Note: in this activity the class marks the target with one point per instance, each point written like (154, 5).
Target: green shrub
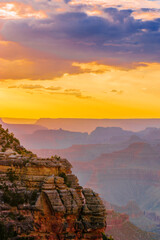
(20, 217)
(106, 237)
(56, 157)
(12, 177)
(25, 161)
(13, 197)
(25, 238)
(15, 216)
(12, 215)
(3, 232)
(6, 232)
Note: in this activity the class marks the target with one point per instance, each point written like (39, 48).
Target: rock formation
(41, 198)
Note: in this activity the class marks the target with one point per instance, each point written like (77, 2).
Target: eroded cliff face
(41, 199)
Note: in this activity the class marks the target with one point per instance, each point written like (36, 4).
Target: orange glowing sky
(82, 59)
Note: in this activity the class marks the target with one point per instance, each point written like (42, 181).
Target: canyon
(41, 198)
(121, 165)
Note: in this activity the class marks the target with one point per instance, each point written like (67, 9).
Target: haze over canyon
(121, 164)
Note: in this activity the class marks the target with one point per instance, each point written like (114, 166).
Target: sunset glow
(82, 59)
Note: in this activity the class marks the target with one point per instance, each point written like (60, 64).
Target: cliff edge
(40, 198)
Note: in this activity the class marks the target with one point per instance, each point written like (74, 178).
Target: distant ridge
(20, 129)
(88, 125)
(19, 120)
(84, 124)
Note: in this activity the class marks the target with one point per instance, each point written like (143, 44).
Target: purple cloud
(77, 36)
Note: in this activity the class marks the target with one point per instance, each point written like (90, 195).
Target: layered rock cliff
(41, 198)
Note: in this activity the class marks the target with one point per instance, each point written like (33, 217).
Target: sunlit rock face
(41, 198)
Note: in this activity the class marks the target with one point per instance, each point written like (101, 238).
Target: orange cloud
(150, 15)
(15, 69)
(40, 69)
(51, 90)
(95, 7)
(13, 51)
(19, 62)
(35, 87)
(13, 10)
(136, 4)
(93, 67)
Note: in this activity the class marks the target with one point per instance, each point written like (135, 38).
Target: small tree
(106, 237)
(57, 157)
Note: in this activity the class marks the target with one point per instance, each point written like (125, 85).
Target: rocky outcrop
(41, 199)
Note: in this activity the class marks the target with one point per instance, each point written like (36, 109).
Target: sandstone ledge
(62, 209)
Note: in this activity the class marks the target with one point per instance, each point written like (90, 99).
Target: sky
(80, 58)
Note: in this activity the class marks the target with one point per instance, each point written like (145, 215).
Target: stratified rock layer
(50, 203)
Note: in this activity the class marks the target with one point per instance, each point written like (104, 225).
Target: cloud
(76, 92)
(145, 14)
(25, 86)
(37, 86)
(67, 1)
(133, 4)
(79, 37)
(14, 10)
(51, 90)
(91, 67)
(19, 62)
(116, 91)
